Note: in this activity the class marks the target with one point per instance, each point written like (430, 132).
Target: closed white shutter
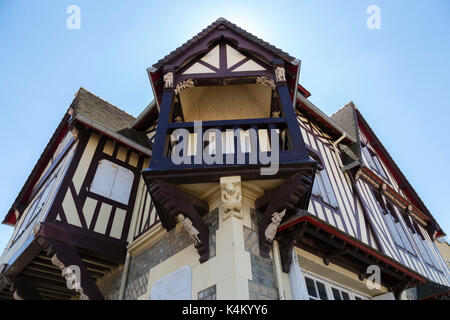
(393, 230)
(329, 189)
(379, 167)
(104, 178)
(315, 188)
(123, 183)
(368, 157)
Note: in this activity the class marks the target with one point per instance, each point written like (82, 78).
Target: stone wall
(109, 285)
(263, 286)
(173, 242)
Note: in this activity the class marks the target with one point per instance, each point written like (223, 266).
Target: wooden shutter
(368, 157)
(379, 167)
(104, 178)
(122, 186)
(393, 230)
(328, 189)
(315, 188)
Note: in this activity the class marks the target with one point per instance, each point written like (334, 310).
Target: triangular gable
(201, 56)
(223, 61)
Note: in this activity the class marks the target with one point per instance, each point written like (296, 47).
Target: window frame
(393, 223)
(329, 284)
(324, 187)
(111, 188)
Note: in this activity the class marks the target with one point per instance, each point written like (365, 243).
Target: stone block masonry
(263, 285)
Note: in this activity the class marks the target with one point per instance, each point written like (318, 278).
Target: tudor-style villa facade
(231, 184)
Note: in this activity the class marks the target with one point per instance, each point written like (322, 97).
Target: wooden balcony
(242, 147)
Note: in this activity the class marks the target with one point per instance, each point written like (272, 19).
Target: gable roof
(219, 30)
(231, 26)
(351, 119)
(94, 112)
(107, 117)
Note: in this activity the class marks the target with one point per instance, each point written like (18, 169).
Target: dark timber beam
(291, 194)
(170, 202)
(68, 256)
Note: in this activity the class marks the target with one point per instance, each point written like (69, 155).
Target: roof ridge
(349, 104)
(103, 100)
(234, 28)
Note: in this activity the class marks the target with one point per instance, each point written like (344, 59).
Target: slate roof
(96, 109)
(107, 115)
(347, 119)
(231, 26)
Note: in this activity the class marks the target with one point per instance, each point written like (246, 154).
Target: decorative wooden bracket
(67, 259)
(170, 202)
(289, 196)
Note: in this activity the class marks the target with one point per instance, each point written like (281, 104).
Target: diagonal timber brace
(73, 269)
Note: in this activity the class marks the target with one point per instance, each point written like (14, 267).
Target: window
(426, 254)
(393, 223)
(316, 289)
(112, 181)
(322, 186)
(322, 289)
(36, 207)
(339, 294)
(373, 161)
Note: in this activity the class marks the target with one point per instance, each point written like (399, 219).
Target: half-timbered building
(231, 184)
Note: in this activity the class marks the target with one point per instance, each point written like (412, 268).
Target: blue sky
(397, 76)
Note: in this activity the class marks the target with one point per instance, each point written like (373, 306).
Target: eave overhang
(307, 108)
(11, 218)
(97, 255)
(378, 183)
(346, 246)
(417, 205)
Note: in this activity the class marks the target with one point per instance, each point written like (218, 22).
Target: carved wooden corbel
(74, 271)
(189, 83)
(288, 197)
(171, 203)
